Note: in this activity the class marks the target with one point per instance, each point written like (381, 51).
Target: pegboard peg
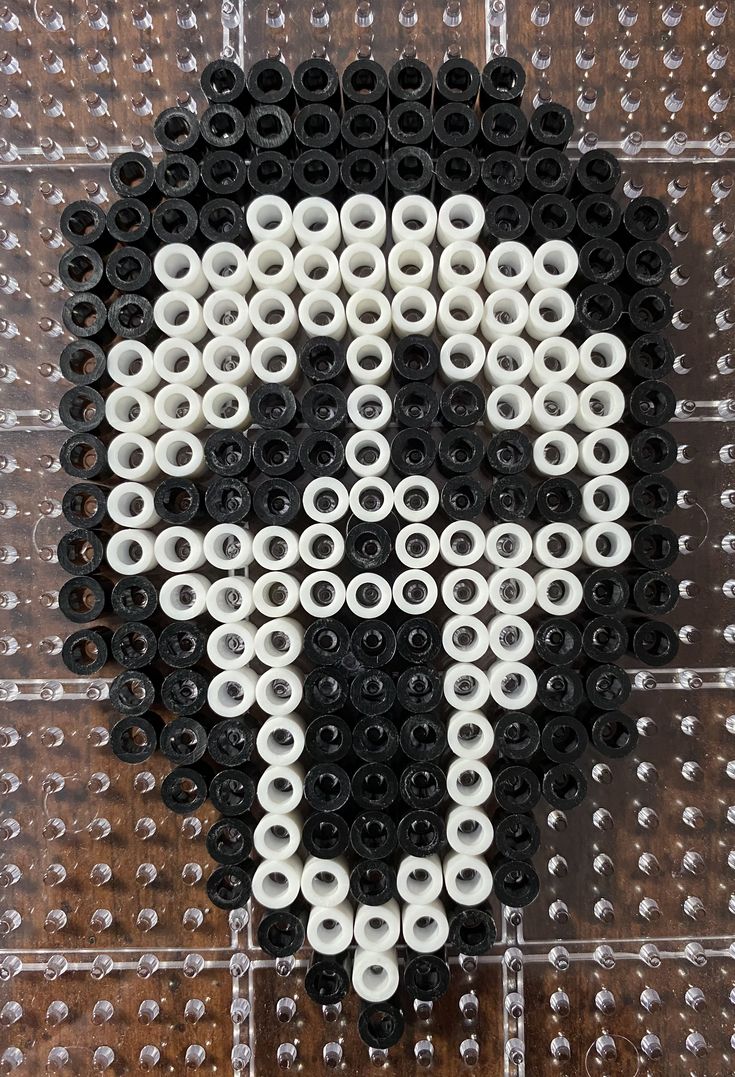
(148, 1011)
(195, 1056)
(57, 1012)
(651, 1000)
(10, 1013)
(286, 1055)
(145, 828)
(716, 15)
(185, 60)
(559, 912)
(587, 99)
(696, 1045)
(230, 16)
(632, 143)
(364, 15)
(541, 14)
(9, 737)
(239, 965)
(194, 1010)
(721, 143)
(424, 1052)
(604, 956)
(8, 151)
(51, 149)
(559, 1003)
(672, 15)
(149, 1057)
(141, 61)
(285, 965)
(58, 1059)
(717, 57)
(185, 18)
(558, 867)
(585, 14)
(100, 874)
(98, 736)
(9, 828)
(240, 1057)
(144, 782)
(332, 1055)
(141, 17)
(97, 18)
(452, 16)
(52, 62)
(677, 143)
(561, 1049)
(99, 782)
(56, 920)
(193, 965)
(191, 874)
(96, 62)
(332, 1012)
(628, 15)
(694, 997)
(11, 1059)
(146, 919)
(102, 1012)
(408, 15)
(695, 952)
(192, 919)
(630, 58)
(469, 1052)
(9, 64)
(605, 1002)
(8, 195)
(9, 108)
(239, 1010)
(605, 1047)
(721, 232)
(585, 57)
(10, 920)
(96, 106)
(423, 1009)
(674, 101)
(191, 827)
(649, 909)
(103, 1059)
(50, 18)
(559, 958)
(604, 911)
(54, 875)
(147, 966)
(541, 58)
(285, 1010)
(9, 20)
(651, 1046)
(101, 920)
(10, 967)
(514, 1005)
(238, 919)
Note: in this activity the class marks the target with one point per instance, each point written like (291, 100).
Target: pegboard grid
(648, 860)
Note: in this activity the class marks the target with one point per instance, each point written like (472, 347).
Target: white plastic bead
(363, 220)
(273, 314)
(280, 789)
(180, 549)
(184, 597)
(133, 457)
(468, 879)
(329, 930)
(469, 782)
(466, 687)
(279, 691)
(464, 591)
(554, 406)
(371, 499)
(131, 411)
(410, 264)
(279, 642)
(508, 545)
(512, 685)
(461, 217)
(511, 590)
(321, 546)
(462, 543)
(417, 545)
(419, 879)
(179, 362)
(509, 361)
(470, 735)
(274, 361)
(469, 831)
(550, 312)
(555, 453)
(276, 594)
(557, 545)
(554, 359)
(325, 500)
(510, 638)
(131, 504)
(231, 646)
(277, 837)
(418, 584)
(414, 217)
(325, 882)
(232, 692)
(230, 599)
(180, 453)
(369, 360)
(558, 591)
(367, 453)
(179, 314)
(179, 268)
(369, 407)
(331, 584)
(178, 407)
(276, 548)
(226, 407)
(603, 452)
(368, 595)
(599, 405)
(269, 217)
(280, 741)
(271, 266)
(227, 361)
(130, 363)
(505, 314)
(375, 975)
(554, 265)
(317, 268)
(460, 311)
(225, 265)
(461, 264)
(601, 357)
(462, 357)
(276, 883)
(416, 498)
(368, 313)
(413, 311)
(131, 551)
(228, 546)
(464, 638)
(362, 265)
(322, 314)
(604, 498)
(509, 265)
(425, 927)
(315, 220)
(227, 314)
(606, 545)
(378, 927)
(508, 408)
